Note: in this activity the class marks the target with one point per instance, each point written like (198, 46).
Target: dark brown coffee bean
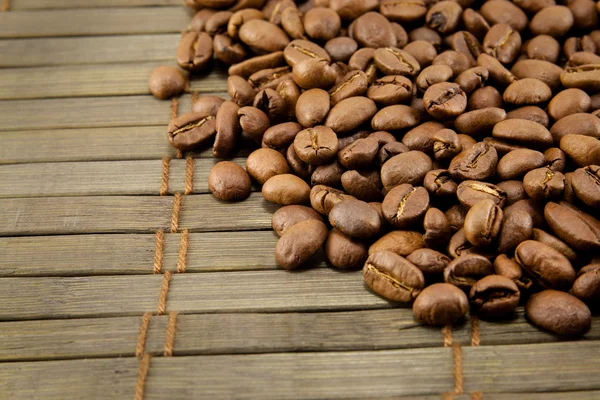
(390, 150)
(269, 78)
(239, 18)
(584, 14)
(559, 313)
(502, 147)
(585, 77)
(467, 44)
(195, 50)
(421, 137)
(429, 261)
(286, 189)
(579, 230)
(497, 71)
(455, 60)
(299, 243)
(556, 159)
(475, 23)
(472, 192)
(476, 163)
(345, 141)
(263, 36)
(263, 164)
(487, 96)
(228, 181)
(483, 223)
(582, 123)
(569, 193)
(543, 47)
(466, 270)
(409, 167)
(445, 100)
(440, 304)
(400, 242)
(517, 163)
(509, 268)
(547, 266)
(500, 12)
(328, 175)
(503, 43)
(317, 145)
(400, 33)
(248, 67)
(312, 107)
(424, 52)
(523, 131)
(479, 122)
(574, 45)
(460, 246)
(361, 187)
(322, 23)
(373, 30)
(567, 102)
(432, 75)
(553, 21)
(544, 184)
(544, 71)
(587, 285)
(299, 50)
(228, 129)
(439, 184)
(254, 122)
(280, 136)
(494, 296)
(531, 113)
(355, 83)
(352, 9)
(291, 22)
(350, 113)
(582, 150)
(393, 277)
(324, 198)
(446, 144)
(355, 218)
(437, 227)
(456, 217)
(472, 79)
(444, 16)
(241, 91)
(403, 10)
(228, 51)
(359, 154)
(586, 185)
(405, 205)
(390, 90)
(166, 82)
(527, 91)
(289, 93)
(344, 252)
(554, 242)
(289, 216)
(393, 118)
(207, 105)
(393, 61)
(314, 73)
(341, 48)
(271, 103)
(514, 191)
(274, 10)
(191, 130)
(516, 228)
(533, 6)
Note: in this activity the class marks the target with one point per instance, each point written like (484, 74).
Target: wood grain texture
(547, 367)
(45, 52)
(211, 292)
(88, 112)
(93, 80)
(303, 375)
(69, 380)
(102, 21)
(134, 253)
(51, 4)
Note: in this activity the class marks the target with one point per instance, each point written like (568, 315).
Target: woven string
(164, 184)
(170, 336)
(5, 5)
(476, 396)
(141, 343)
(176, 209)
(189, 175)
(475, 331)
(158, 252)
(183, 249)
(141, 379)
(458, 373)
(164, 290)
(447, 332)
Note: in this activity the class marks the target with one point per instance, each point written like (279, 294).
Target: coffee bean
(482, 223)
(191, 130)
(248, 67)
(582, 123)
(299, 243)
(429, 261)
(299, 50)
(456, 217)
(471, 192)
(238, 19)
(445, 100)
(587, 285)
(280, 136)
(207, 105)
(543, 47)
(316, 146)
(444, 16)
(524, 132)
(446, 144)
(354, 83)
(312, 107)
(322, 23)
(390, 90)
(393, 277)
(424, 52)
(472, 79)
(440, 304)
(554, 21)
(582, 150)
(559, 312)
(498, 12)
(228, 129)
(383, 137)
(554, 242)
(291, 22)
(437, 227)
(516, 228)
(586, 185)
(517, 163)
(502, 42)
(393, 118)
(544, 184)
(494, 296)
(328, 175)
(547, 266)
(465, 43)
(286, 189)
(263, 36)
(199, 20)
(509, 268)
(400, 242)
(439, 184)
(228, 181)
(403, 10)
(432, 75)
(240, 90)
(531, 113)
(217, 23)
(228, 51)
(355, 218)
(531, 207)
(460, 246)
(567, 102)
(487, 96)
(514, 191)
(497, 71)
(585, 77)
(289, 216)
(350, 113)
(527, 91)
(270, 78)
(344, 252)
(409, 167)
(314, 73)
(341, 48)
(544, 71)
(466, 270)
(359, 154)
(263, 164)
(373, 30)
(195, 50)
(166, 82)
(476, 163)
(361, 187)
(254, 122)
(324, 198)
(405, 205)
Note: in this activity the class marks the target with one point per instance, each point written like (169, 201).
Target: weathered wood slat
(87, 50)
(92, 80)
(548, 367)
(134, 253)
(88, 112)
(142, 177)
(102, 21)
(50, 4)
(129, 214)
(70, 380)
(579, 395)
(211, 292)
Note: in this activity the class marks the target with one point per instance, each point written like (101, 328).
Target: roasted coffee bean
(314, 73)
(299, 50)
(587, 285)
(228, 51)
(355, 83)
(207, 105)
(324, 198)
(191, 130)
(582, 123)
(263, 36)
(299, 243)
(446, 144)
(466, 270)
(248, 67)
(472, 79)
(238, 19)
(439, 184)
(390, 150)
(360, 186)
(297, 166)
(343, 251)
(502, 147)
(585, 77)
(199, 20)
(476, 163)
(573, 45)
(544, 184)
(241, 91)
(322, 23)
(289, 93)
(479, 122)
(556, 159)
(516, 228)
(445, 100)
(523, 131)
(437, 227)
(166, 82)
(328, 175)
(487, 96)
(393, 61)
(345, 141)
(317, 145)
(271, 103)
(409, 167)
(567, 102)
(270, 78)
(289, 216)
(254, 122)
(403, 10)
(444, 16)
(390, 90)
(393, 277)
(359, 154)
(432, 75)
(280, 136)
(400, 33)
(497, 71)
(460, 246)
(263, 164)
(456, 217)
(400, 242)
(509, 268)
(483, 223)
(405, 205)
(582, 150)
(533, 208)
(421, 137)
(498, 12)
(341, 48)
(547, 266)
(465, 43)
(440, 304)
(228, 129)
(554, 21)
(475, 23)
(393, 118)
(424, 52)
(554, 242)
(274, 10)
(494, 296)
(373, 30)
(195, 50)
(429, 261)
(228, 181)
(217, 23)
(514, 191)
(527, 91)
(355, 218)
(291, 22)
(350, 113)
(586, 185)
(559, 312)
(543, 47)
(531, 113)
(544, 71)
(517, 163)
(286, 189)
(503, 43)
(312, 107)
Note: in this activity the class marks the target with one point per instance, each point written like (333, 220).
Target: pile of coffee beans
(451, 149)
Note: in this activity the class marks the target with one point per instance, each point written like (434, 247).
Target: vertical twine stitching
(164, 184)
(475, 340)
(170, 336)
(458, 373)
(5, 5)
(141, 379)
(476, 396)
(189, 175)
(141, 342)
(174, 107)
(183, 249)
(176, 209)
(164, 290)
(447, 332)
(158, 252)
(447, 396)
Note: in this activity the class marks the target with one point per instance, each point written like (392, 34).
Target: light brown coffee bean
(355, 218)
(299, 243)
(286, 189)
(289, 216)
(344, 252)
(263, 164)
(440, 304)
(393, 277)
(559, 312)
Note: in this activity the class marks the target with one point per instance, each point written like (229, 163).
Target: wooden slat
(102, 21)
(51, 4)
(564, 366)
(69, 380)
(134, 253)
(92, 80)
(87, 50)
(270, 291)
(143, 177)
(88, 112)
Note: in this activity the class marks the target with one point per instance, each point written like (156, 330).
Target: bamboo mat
(122, 277)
